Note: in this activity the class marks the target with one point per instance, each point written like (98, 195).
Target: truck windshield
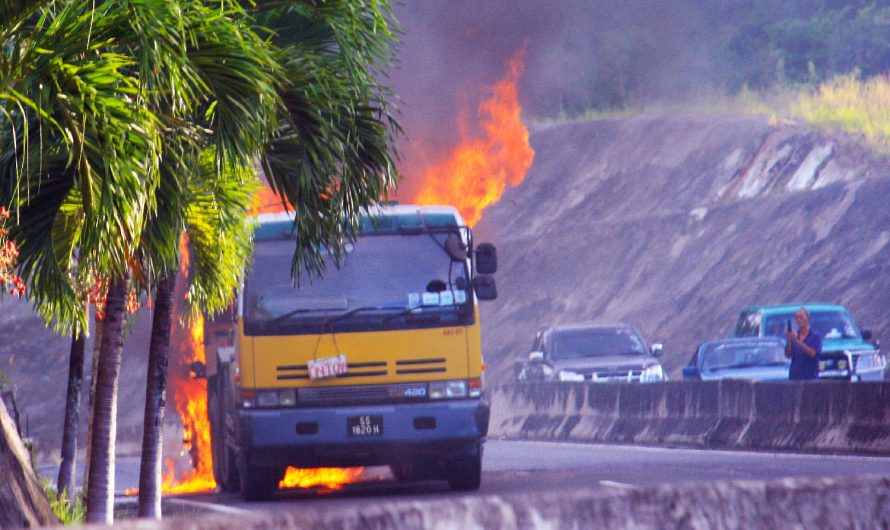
(386, 282)
(829, 324)
(596, 342)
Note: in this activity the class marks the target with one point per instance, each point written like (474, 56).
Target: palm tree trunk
(100, 496)
(72, 416)
(94, 371)
(155, 400)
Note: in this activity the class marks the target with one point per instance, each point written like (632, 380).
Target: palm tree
(72, 416)
(214, 211)
(333, 153)
(333, 126)
(92, 93)
(91, 179)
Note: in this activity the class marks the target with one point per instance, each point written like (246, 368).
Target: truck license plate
(364, 425)
(327, 367)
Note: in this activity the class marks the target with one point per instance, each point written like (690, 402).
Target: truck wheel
(231, 481)
(465, 473)
(404, 472)
(217, 444)
(258, 483)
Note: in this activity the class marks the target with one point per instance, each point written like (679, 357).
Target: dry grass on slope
(852, 105)
(846, 103)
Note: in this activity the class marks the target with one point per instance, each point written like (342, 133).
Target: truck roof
(377, 219)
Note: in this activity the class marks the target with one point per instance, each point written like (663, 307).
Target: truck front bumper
(321, 437)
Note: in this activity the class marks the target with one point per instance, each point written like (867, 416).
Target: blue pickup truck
(848, 352)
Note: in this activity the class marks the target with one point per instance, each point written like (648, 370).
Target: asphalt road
(527, 467)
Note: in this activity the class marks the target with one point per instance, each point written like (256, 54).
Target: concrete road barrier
(819, 416)
(860, 502)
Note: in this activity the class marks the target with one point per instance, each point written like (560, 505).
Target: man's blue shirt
(802, 365)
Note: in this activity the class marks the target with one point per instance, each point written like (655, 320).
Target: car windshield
(381, 272)
(720, 356)
(829, 324)
(596, 342)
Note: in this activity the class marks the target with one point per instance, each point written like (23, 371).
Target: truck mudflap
(362, 435)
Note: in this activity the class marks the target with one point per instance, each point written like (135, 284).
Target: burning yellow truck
(379, 362)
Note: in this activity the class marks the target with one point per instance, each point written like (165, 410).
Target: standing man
(803, 348)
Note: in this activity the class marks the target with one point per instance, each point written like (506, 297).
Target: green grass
(846, 103)
(69, 511)
(851, 105)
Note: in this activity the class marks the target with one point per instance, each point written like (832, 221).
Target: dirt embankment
(676, 223)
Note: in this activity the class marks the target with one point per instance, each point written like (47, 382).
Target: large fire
(476, 173)
(332, 478)
(190, 400)
(189, 397)
(473, 176)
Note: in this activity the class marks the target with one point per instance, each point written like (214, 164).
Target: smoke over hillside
(581, 55)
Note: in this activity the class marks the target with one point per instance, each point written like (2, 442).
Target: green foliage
(220, 234)
(107, 107)
(333, 153)
(816, 47)
(69, 511)
(849, 104)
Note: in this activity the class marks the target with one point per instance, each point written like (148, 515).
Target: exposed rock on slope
(676, 223)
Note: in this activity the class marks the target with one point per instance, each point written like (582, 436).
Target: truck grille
(369, 369)
(420, 366)
(362, 394)
(301, 371)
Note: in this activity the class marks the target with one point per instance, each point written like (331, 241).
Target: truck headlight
(448, 389)
(569, 376)
(276, 398)
(652, 374)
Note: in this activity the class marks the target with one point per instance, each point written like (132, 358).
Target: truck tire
(465, 473)
(258, 483)
(225, 465)
(405, 472)
(217, 444)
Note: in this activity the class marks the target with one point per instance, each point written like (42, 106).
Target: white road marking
(208, 506)
(613, 484)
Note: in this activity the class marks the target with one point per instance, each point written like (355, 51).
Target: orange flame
(327, 477)
(190, 399)
(477, 172)
(266, 201)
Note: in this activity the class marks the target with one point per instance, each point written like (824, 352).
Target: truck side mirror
(485, 287)
(486, 259)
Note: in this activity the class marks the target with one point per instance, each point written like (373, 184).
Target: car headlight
(448, 389)
(276, 398)
(842, 364)
(569, 376)
(652, 374)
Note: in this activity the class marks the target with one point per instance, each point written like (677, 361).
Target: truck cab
(376, 362)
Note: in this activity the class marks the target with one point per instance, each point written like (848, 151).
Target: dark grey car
(595, 353)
